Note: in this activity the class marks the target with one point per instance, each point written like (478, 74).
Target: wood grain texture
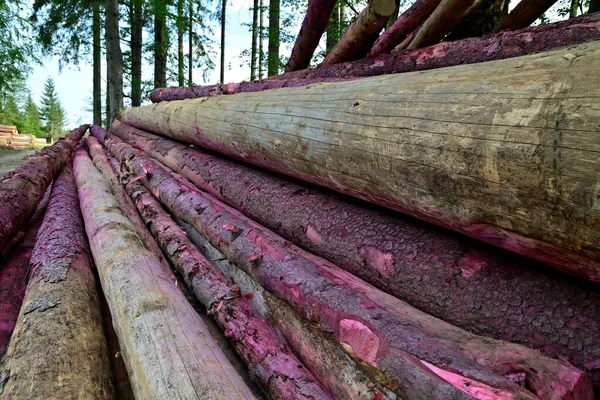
(168, 351)
(505, 151)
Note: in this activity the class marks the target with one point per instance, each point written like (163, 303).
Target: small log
(13, 275)
(314, 24)
(480, 21)
(362, 33)
(404, 349)
(524, 14)
(448, 153)
(410, 20)
(58, 349)
(22, 189)
(381, 249)
(168, 351)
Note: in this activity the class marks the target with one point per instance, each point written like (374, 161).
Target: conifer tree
(52, 112)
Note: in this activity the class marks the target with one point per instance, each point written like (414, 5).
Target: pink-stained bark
(406, 23)
(415, 354)
(408, 259)
(524, 14)
(314, 24)
(22, 189)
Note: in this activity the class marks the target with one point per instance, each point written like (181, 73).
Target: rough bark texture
(167, 348)
(314, 24)
(254, 49)
(405, 258)
(273, 54)
(410, 352)
(97, 62)
(137, 27)
(13, 275)
(362, 33)
(22, 189)
(114, 61)
(492, 162)
(58, 349)
(277, 369)
(524, 14)
(410, 20)
(161, 47)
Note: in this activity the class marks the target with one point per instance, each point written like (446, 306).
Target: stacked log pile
(10, 138)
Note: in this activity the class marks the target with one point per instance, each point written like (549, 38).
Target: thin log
(148, 308)
(381, 249)
(524, 14)
(410, 20)
(362, 33)
(314, 24)
(58, 348)
(448, 153)
(13, 275)
(406, 350)
(22, 189)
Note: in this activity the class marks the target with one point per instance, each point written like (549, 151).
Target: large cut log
(492, 162)
(314, 24)
(58, 349)
(362, 33)
(168, 351)
(13, 275)
(22, 190)
(410, 352)
(406, 23)
(404, 258)
(524, 14)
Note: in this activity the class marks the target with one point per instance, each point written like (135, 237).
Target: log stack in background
(11, 139)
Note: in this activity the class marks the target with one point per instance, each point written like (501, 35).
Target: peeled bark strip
(362, 33)
(167, 349)
(58, 349)
(314, 24)
(410, 352)
(524, 14)
(22, 189)
(473, 156)
(13, 275)
(406, 23)
(277, 369)
(405, 258)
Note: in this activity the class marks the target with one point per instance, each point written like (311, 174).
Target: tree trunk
(410, 20)
(480, 21)
(161, 46)
(58, 348)
(147, 307)
(397, 344)
(22, 189)
(524, 14)
(136, 53)
(114, 61)
(333, 29)
(273, 56)
(360, 36)
(13, 275)
(342, 23)
(261, 31)
(180, 56)
(254, 41)
(381, 147)
(468, 277)
(191, 43)
(573, 8)
(97, 63)
(223, 24)
(594, 6)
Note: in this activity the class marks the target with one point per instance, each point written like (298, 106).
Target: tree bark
(397, 345)
(261, 38)
(223, 22)
(273, 56)
(365, 242)
(22, 189)
(180, 56)
(58, 348)
(524, 14)
(362, 33)
(254, 41)
(410, 20)
(96, 61)
(161, 47)
(114, 61)
(191, 43)
(147, 307)
(137, 26)
(573, 8)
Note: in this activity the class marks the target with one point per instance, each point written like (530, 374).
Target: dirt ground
(10, 159)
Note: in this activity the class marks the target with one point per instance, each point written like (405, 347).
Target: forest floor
(10, 159)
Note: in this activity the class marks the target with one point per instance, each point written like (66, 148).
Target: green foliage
(10, 113)
(32, 122)
(52, 112)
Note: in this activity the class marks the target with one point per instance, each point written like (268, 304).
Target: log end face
(359, 340)
(384, 8)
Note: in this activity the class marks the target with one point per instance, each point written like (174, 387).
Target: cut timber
(524, 14)
(13, 275)
(277, 369)
(362, 33)
(405, 258)
(406, 23)
(22, 190)
(410, 352)
(58, 349)
(314, 24)
(509, 158)
(167, 349)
